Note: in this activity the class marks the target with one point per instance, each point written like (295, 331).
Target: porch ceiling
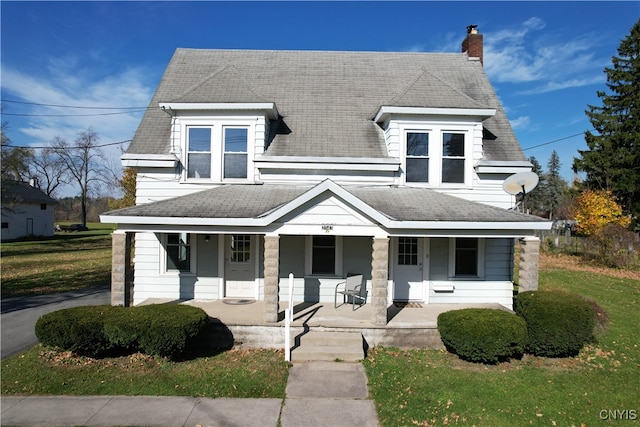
(262, 205)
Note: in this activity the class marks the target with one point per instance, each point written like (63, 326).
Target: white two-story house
(256, 164)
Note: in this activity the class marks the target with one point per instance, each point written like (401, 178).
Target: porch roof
(261, 205)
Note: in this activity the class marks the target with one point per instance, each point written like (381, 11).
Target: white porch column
(379, 279)
(271, 278)
(529, 264)
(121, 271)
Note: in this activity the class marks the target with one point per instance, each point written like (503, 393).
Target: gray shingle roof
(22, 192)
(327, 99)
(254, 201)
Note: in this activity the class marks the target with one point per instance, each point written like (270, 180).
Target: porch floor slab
(323, 314)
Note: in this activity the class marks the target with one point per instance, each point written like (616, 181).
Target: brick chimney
(472, 45)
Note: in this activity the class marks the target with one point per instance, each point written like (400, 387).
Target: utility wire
(69, 115)
(66, 148)
(557, 140)
(73, 106)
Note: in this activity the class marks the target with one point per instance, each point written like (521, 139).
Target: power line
(66, 148)
(69, 115)
(73, 106)
(557, 140)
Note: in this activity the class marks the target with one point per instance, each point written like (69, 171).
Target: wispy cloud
(525, 54)
(520, 122)
(65, 82)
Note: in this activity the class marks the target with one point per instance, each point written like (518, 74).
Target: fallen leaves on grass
(575, 263)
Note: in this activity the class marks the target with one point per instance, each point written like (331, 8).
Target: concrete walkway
(317, 394)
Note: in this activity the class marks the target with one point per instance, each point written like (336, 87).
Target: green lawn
(250, 373)
(429, 387)
(65, 262)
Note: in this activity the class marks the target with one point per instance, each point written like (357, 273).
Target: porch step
(329, 346)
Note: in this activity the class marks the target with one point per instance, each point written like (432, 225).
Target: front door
(239, 266)
(408, 273)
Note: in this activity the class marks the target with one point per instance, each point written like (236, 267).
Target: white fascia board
(183, 221)
(149, 160)
(493, 166)
(458, 225)
(327, 163)
(269, 108)
(386, 111)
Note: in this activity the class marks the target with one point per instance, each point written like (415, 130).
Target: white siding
(17, 216)
(473, 292)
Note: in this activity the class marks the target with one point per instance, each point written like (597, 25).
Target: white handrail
(288, 318)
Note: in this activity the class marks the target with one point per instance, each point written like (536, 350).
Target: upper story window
(235, 152)
(417, 145)
(436, 155)
(453, 157)
(199, 152)
(217, 152)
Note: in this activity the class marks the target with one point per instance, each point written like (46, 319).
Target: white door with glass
(239, 266)
(408, 274)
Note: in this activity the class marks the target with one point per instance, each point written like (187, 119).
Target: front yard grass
(64, 262)
(235, 373)
(432, 388)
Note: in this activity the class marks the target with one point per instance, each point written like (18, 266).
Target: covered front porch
(410, 325)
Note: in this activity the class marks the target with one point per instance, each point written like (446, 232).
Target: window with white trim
(198, 152)
(453, 158)
(324, 255)
(466, 257)
(235, 152)
(417, 148)
(217, 150)
(178, 252)
(436, 155)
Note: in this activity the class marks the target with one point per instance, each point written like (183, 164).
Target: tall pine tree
(613, 156)
(556, 186)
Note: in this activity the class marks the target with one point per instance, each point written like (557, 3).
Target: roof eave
(268, 108)
(386, 111)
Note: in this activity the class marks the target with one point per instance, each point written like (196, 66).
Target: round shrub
(169, 328)
(559, 323)
(164, 330)
(78, 329)
(483, 335)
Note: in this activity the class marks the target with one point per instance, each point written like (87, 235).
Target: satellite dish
(522, 182)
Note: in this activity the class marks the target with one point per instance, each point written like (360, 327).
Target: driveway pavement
(19, 314)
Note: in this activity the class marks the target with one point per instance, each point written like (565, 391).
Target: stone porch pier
(529, 264)
(121, 269)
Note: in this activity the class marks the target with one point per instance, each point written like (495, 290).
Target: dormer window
(417, 145)
(199, 152)
(235, 152)
(453, 158)
(436, 155)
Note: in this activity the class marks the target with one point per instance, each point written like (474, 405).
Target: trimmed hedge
(78, 329)
(559, 323)
(160, 330)
(483, 335)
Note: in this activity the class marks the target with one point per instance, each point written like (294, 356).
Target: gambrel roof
(326, 100)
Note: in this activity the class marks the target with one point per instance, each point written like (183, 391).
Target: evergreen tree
(536, 199)
(556, 186)
(613, 155)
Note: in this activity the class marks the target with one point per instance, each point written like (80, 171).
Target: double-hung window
(324, 255)
(217, 151)
(436, 154)
(417, 157)
(235, 152)
(178, 249)
(453, 158)
(199, 152)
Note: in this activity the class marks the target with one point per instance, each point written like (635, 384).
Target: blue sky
(545, 59)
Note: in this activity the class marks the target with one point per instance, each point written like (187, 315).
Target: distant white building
(26, 211)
